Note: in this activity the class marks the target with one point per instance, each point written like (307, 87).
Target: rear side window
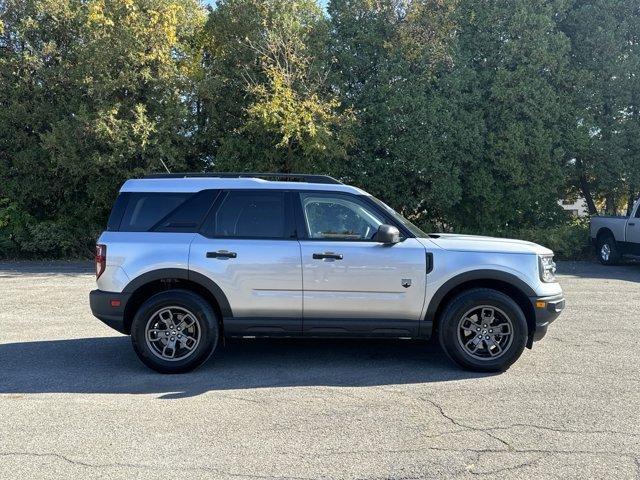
(144, 210)
(247, 214)
(189, 215)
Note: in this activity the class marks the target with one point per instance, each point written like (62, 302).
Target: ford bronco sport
(188, 259)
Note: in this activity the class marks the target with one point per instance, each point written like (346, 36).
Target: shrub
(568, 241)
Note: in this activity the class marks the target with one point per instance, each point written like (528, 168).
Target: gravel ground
(76, 403)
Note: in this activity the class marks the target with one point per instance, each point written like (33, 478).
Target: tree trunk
(586, 193)
(610, 204)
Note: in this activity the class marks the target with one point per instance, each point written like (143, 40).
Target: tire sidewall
(207, 320)
(448, 330)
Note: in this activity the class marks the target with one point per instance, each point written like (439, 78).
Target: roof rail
(296, 177)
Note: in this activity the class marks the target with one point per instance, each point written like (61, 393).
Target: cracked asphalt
(76, 403)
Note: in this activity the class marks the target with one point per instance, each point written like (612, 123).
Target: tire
(608, 252)
(469, 311)
(166, 316)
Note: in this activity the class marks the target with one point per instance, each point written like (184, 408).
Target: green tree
(385, 58)
(603, 146)
(509, 62)
(92, 92)
(266, 105)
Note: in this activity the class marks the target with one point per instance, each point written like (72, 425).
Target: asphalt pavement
(76, 403)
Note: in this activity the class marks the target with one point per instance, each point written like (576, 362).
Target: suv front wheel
(483, 330)
(174, 331)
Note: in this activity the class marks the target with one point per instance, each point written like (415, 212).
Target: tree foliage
(510, 61)
(603, 144)
(91, 93)
(469, 115)
(386, 58)
(279, 114)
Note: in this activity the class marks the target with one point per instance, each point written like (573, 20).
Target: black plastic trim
(544, 316)
(262, 326)
(429, 260)
(100, 303)
(469, 276)
(300, 177)
(360, 327)
(183, 274)
(320, 327)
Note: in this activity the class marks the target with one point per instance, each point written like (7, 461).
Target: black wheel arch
(150, 283)
(504, 282)
(604, 232)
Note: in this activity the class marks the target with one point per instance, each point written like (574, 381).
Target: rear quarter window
(113, 225)
(160, 212)
(145, 210)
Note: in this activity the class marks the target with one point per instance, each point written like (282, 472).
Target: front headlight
(547, 268)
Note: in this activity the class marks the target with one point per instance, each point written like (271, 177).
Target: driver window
(338, 217)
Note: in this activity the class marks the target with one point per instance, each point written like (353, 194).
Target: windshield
(400, 219)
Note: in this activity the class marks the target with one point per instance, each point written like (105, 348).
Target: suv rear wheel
(483, 330)
(174, 331)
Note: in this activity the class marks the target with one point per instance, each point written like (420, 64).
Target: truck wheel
(608, 250)
(174, 331)
(483, 330)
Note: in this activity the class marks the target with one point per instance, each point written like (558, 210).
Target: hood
(475, 243)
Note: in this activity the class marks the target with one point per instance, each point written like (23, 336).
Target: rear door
(352, 284)
(247, 246)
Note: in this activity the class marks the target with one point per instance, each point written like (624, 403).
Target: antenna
(165, 166)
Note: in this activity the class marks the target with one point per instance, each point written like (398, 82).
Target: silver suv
(188, 259)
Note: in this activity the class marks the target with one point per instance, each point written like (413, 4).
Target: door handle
(331, 255)
(222, 254)
(631, 224)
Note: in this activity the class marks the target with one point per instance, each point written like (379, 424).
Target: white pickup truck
(614, 237)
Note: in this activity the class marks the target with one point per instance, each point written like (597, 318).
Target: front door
(248, 248)
(633, 232)
(353, 285)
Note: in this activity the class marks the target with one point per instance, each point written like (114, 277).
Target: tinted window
(144, 210)
(339, 217)
(117, 211)
(250, 215)
(189, 215)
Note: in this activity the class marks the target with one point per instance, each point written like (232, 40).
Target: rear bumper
(546, 310)
(109, 307)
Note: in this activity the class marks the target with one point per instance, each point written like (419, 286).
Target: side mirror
(388, 234)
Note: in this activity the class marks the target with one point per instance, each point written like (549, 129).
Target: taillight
(101, 259)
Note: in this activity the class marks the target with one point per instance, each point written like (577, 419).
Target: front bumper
(109, 307)
(546, 310)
